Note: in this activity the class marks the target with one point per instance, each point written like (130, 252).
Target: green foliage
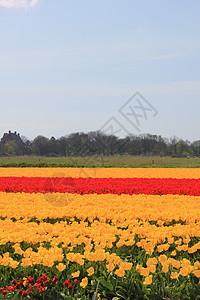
(103, 161)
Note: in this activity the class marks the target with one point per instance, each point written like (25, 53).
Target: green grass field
(107, 161)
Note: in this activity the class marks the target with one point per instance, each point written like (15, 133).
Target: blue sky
(68, 66)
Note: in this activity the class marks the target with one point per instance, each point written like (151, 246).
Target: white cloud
(18, 3)
(33, 3)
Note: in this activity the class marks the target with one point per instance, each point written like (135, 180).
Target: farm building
(11, 136)
(14, 137)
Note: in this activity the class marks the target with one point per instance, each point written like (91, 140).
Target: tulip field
(112, 233)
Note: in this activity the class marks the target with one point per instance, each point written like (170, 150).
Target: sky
(122, 67)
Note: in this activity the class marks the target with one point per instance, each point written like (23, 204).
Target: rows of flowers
(98, 246)
(149, 186)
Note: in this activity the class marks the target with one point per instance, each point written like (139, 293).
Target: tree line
(98, 143)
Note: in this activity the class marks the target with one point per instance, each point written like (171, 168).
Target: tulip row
(117, 209)
(103, 172)
(148, 186)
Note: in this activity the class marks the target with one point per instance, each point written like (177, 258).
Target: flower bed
(94, 238)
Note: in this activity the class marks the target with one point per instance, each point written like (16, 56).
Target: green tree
(183, 148)
(11, 148)
(40, 145)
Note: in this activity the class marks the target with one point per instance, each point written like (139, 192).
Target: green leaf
(123, 297)
(104, 274)
(15, 297)
(107, 284)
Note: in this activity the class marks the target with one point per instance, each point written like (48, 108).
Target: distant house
(13, 136)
